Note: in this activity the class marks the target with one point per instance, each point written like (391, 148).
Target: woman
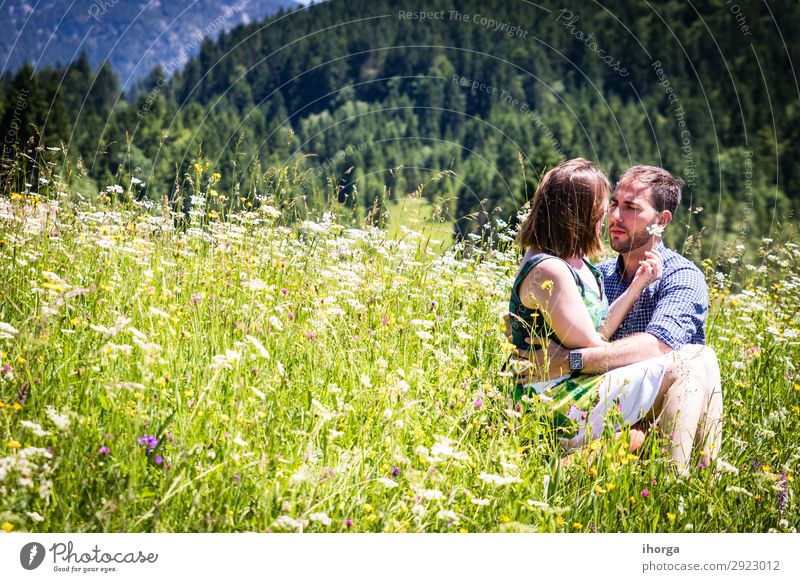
(559, 295)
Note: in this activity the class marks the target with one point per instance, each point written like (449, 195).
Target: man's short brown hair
(665, 189)
(566, 209)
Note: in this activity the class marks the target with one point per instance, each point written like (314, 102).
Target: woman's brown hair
(566, 208)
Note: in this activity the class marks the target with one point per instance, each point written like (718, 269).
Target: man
(669, 316)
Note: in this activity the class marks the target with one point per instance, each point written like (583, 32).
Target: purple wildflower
(645, 493)
(148, 441)
(395, 471)
(236, 477)
(22, 394)
(158, 460)
(104, 451)
(478, 403)
(782, 499)
(349, 523)
(284, 291)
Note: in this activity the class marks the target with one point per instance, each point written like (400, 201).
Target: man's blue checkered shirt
(673, 309)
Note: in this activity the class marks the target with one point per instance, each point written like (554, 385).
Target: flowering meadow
(256, 371)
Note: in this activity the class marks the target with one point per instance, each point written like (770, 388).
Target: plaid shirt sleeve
(681, 308)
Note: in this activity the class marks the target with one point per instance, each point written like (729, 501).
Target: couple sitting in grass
(639, 361)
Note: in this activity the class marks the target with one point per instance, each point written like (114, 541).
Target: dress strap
(534, 261)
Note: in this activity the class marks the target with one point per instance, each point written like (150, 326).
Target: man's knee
(703, 363)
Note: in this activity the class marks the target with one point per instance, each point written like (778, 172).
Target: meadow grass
(254, 373)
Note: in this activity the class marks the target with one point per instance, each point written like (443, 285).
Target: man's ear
(665, 218)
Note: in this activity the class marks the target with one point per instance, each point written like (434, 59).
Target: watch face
(576, 360)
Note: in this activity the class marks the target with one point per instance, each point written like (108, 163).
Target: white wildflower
(34, 516)
(158, 312)
(726, 467)
(655, 230)
(481, 502)
(448, 515)
(431, 494)
(36, 429)
(735, 489)
(388, 483)
(424, 335)
(60, 420)
(226, 360)
(7, 331)
(320, 518)
(498, 480)
(255, 285)
(286, 523)
(262, 351)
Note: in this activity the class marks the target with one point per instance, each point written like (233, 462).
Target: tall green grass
(268, 369)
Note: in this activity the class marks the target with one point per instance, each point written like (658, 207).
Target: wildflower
(741, 490)
(14, 444)
(104, 450)
(577, 526)
(35, 516)
(547, 285)
(478, 403)
(7, 331)
(450, 516)
(671, 516)
(388, 483)
(349, 523)
(320, 518)
(7, 527)
(655, 230)
(395, 471)
(560, 520)
(148, 441)
(645, 493)
(498, 480)
(60, 420)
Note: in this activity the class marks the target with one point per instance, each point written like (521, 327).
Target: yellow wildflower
(14, 444)
(577, 525)
(7, 527)
(547, 285)
(671, 516)
(592, 471)
(560, 520)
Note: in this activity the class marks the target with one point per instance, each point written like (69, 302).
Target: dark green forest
(475, 99)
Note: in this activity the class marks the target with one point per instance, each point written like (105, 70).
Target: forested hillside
(706, 89)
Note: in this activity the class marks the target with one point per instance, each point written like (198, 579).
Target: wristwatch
(576, 360)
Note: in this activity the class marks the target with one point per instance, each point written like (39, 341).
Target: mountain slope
(133, 35)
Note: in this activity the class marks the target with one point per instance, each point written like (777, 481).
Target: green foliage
(372, 91)
(302, 374)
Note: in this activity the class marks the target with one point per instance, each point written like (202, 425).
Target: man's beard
(633, 243)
